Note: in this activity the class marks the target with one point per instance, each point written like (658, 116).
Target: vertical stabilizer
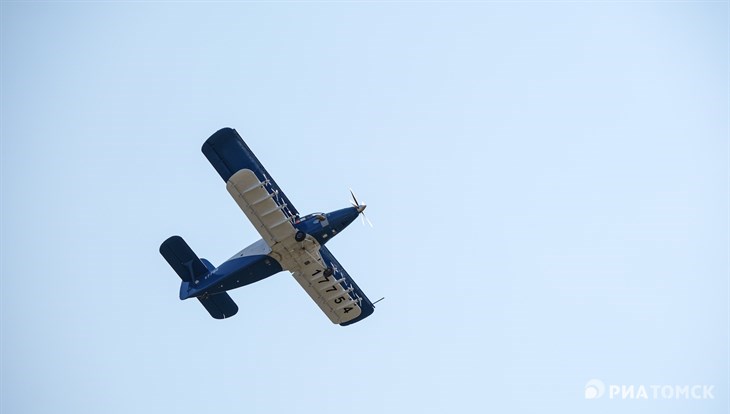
(182, 259)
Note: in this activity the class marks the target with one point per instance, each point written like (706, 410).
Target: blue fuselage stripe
(235, 273)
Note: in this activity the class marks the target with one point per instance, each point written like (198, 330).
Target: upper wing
(228, 154)
(337, 295)
(248, 182)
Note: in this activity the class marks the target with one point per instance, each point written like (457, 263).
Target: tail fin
(190, 268)
(182, 259)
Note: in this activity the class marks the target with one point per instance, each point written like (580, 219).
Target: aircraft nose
(361, 208)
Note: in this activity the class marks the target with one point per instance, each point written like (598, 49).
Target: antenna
(378, 300)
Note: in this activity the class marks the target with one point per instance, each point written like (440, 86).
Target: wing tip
(364, 314)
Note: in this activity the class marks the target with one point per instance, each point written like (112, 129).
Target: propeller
(360, 208)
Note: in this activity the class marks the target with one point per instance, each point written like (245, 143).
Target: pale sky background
(548, 184)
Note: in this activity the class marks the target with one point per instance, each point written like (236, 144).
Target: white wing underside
(302, 259)
(326, 291)
(260, 207)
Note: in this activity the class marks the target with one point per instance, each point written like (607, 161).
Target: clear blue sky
(548, 184)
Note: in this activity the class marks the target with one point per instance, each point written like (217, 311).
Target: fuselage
(255, 262)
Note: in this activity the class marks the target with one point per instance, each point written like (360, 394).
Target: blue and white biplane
(289, 242)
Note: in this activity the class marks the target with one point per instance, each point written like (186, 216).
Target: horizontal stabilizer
(220, 306)
(182, 259)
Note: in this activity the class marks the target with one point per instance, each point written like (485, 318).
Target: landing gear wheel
(328, 272)
(300, 236)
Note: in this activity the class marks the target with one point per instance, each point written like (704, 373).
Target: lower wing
(332, 289)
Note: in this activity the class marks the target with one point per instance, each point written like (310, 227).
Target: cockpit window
(313, 215)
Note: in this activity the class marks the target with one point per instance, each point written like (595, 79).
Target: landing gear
(328, 272)
(300, 236)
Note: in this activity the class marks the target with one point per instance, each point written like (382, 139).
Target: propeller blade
(354, 198)
(368, 220)
(360, 208)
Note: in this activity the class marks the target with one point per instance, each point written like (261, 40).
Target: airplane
(289, 242)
